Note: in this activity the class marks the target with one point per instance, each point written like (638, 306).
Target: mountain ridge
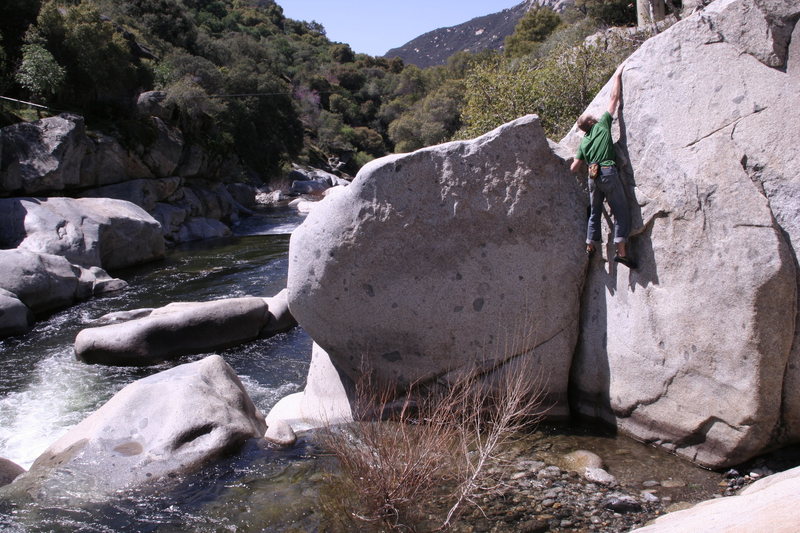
(487, 32)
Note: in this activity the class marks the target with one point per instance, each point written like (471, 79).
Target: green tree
(533, 28)
(39, 73)
(496, 92)
(102, 75)
(432, 120)
(568, 82)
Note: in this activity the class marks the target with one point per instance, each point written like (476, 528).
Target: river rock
(598, 475)
(163, 155)
(9, 471)
(308, 187)
(151, 104)
(200, 228)
(455, 257)
(280, 318)
(163, 425)
(300, 173)
(243, 194)
(693, 351)
(174, 330)
(117, 317)
(279, 432)
(46, 282)
(15, 316)
(580, 460)
(107, 162)
(44, 155)
(326, 400)
(171, 219)
(86, 231)
(769, 504)
(143, 192)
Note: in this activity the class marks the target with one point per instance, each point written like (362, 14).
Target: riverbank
(537, 496)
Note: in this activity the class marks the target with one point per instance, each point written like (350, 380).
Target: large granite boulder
(174, 330)
(40, 156)
(100, 232)
(693, 351)
(432, 261)
(163, 425)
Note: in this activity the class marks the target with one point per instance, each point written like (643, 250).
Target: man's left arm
(616, 92)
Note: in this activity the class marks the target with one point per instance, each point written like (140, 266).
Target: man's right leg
(593, 229)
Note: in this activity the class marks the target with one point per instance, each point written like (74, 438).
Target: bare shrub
(432, 442)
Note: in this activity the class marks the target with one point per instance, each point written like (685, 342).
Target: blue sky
(376, 26)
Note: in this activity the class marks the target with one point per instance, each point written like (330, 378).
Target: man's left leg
(615, 194)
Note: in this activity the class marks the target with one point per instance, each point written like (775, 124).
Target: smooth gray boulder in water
(101, 232)
(174, 330)
(698, 350)
(455, 257)
(45, 282)
(15, 316)
(169, 423)
(280, 318)
(9, 471)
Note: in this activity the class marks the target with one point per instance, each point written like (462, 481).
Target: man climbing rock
(597, 149)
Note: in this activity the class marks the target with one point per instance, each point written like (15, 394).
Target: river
(44, 391)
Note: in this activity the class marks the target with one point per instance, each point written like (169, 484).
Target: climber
(597, 148)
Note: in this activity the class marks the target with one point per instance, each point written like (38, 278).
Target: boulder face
(693, 351)
(165, 424)
(432, 261)
(47, 155)
(100, 232)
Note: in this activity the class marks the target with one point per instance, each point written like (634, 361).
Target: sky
(376, 26)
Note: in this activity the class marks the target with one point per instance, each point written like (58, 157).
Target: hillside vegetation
(245, 79)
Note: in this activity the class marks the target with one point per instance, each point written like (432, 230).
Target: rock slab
(177, 329)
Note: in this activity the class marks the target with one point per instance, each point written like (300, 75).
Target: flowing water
(44, 391)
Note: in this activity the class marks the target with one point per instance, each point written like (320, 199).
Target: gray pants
(608, 186)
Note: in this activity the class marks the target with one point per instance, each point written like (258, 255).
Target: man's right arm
(576, 165)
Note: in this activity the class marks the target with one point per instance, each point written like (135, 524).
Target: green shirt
(597, 145)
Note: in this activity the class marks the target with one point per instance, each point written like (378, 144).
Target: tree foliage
(532, 29)
(243, 79)
(39, 72)
(609, 12)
